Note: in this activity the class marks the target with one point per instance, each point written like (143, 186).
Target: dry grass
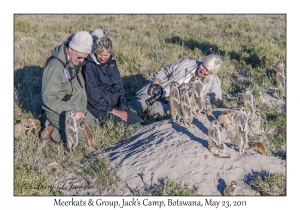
(270, 185)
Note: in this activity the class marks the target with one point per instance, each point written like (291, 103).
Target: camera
(157, 95)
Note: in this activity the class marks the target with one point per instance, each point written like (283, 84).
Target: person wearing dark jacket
(104, 85)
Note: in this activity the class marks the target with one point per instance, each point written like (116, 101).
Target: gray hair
(213, 63)
(105, 43)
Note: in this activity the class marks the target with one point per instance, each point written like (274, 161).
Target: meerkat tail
(219, 156)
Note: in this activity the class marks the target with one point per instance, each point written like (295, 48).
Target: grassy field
(250, 45)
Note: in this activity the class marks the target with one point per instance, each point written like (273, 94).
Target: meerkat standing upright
(175, 102)
(280, 75)
(248, 103)
(226, 117)
(89, 134)
(208, 107)
(71, 130)
(241, 129)
(197, 98)
(185, 104)
(260, 147)
(215, 145)
(231, 189)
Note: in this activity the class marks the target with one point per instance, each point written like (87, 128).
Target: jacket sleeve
(52, 95)
(213, 88)
(122, 100)
(94, 94)
(163, 73)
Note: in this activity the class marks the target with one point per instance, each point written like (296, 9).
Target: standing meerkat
(208, 107)
(215, 145)
(175, 102)
(241, 129)
(89, 134)
(231, 189)
(248, 103)
(197, 98)
(185, 104)
(226, 117)
(260, 147)
(280, 75)
(21, 128)
(35, 125)
(71, 130)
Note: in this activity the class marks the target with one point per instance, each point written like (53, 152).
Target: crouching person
(105, 89)
(63, 87)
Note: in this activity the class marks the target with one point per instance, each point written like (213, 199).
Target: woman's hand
(122, 114)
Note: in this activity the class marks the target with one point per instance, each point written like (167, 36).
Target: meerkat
(21, 128)
(197, 95)
(185, 86)
(226, 117)
(71, 130)
(208, 107)
(35, 125)
(260, 147)
(89, 134)
(248, 103)
(241, 129)
(185, 104)
(280, 75)
(215, 145)
(231, 189)
(175, 102)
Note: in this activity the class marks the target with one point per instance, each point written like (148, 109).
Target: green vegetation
(270, 184)
(275, 126)
(250, 45)
(40, 166)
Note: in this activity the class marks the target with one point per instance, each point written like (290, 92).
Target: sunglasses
(202, 67)
(77, 56)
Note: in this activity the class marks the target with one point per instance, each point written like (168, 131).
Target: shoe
(46, 134)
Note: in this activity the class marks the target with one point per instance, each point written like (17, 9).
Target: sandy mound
(271, 99)
(166, 149)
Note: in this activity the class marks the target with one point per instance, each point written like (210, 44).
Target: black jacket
(104, 87)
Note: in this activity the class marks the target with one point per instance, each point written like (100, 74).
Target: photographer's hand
(122, 114)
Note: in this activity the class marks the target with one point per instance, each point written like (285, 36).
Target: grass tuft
(170, 187)
(270, 184)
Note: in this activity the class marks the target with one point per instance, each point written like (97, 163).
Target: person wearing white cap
(63, 86)
(180, 72)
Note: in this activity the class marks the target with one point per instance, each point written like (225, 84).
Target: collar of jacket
(67, 55)
(95, 59)
(98, 63)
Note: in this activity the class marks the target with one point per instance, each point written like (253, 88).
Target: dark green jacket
(55, 86)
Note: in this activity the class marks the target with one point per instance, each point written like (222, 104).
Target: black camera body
(157, 95)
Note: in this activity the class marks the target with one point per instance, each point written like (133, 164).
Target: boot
(46, 134)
